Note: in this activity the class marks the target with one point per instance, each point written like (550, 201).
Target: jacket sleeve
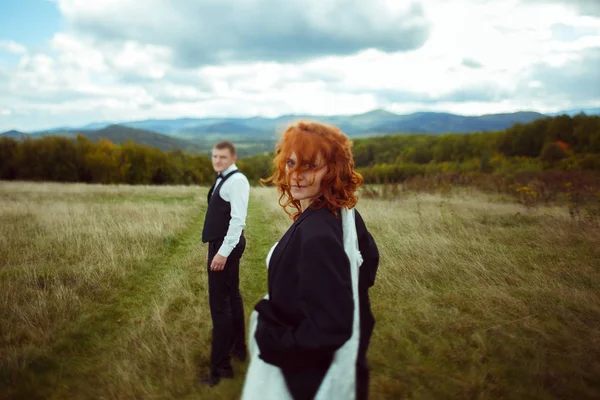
(326, 303)
(370, 253)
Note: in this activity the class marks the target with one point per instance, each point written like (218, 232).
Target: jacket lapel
(280, 249)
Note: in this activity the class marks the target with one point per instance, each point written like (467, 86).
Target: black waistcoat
(216, 222)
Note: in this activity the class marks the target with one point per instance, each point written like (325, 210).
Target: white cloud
(217, 32)
(144, 60)
(118, 61)
(583, 7)
(12, 47)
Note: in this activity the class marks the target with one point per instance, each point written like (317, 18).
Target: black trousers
(362, 379)
(226, 308)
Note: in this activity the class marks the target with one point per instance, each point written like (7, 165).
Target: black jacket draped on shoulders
(309, 313)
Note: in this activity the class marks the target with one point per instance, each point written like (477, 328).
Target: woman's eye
(291, 163)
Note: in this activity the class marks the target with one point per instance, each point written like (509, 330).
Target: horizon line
(110, 123)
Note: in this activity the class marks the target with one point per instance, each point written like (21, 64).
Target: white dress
(265, 381)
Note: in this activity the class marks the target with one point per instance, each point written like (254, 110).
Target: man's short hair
(226, 145)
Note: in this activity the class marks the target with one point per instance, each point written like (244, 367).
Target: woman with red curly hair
(309, 335)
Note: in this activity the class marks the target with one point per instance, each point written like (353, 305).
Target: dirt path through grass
(150, 338)
(79, 364)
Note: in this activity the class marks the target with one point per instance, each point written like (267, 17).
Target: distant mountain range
(370, 123)
(117, 134)
(571, 113)
(198, 134)
(14, 134)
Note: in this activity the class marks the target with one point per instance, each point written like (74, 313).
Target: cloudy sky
(72, 62)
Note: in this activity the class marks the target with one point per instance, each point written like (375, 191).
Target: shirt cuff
(225, 251)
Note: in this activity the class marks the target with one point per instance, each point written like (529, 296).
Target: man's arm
(238, 194)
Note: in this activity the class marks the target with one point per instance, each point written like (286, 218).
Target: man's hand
(218, 263)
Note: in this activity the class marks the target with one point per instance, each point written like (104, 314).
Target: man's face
(222, 159)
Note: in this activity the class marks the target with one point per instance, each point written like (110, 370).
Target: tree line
(562, 142)
(554, 143)
(578, 135)
(60, 159)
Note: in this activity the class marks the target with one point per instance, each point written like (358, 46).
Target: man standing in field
(224, 232)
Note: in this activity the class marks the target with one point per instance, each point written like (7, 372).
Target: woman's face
(305, 185)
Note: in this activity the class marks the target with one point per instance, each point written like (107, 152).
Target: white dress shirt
(236, 191)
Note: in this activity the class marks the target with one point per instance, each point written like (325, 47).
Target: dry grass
(474, 298)
(64, 248)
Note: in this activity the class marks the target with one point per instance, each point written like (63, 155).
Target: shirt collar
(229, 170)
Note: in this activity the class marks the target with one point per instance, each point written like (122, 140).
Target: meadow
(103, 294)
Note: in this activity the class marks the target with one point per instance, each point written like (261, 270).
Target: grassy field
(103, 295)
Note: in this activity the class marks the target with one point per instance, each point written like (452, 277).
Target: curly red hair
(316, 146)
